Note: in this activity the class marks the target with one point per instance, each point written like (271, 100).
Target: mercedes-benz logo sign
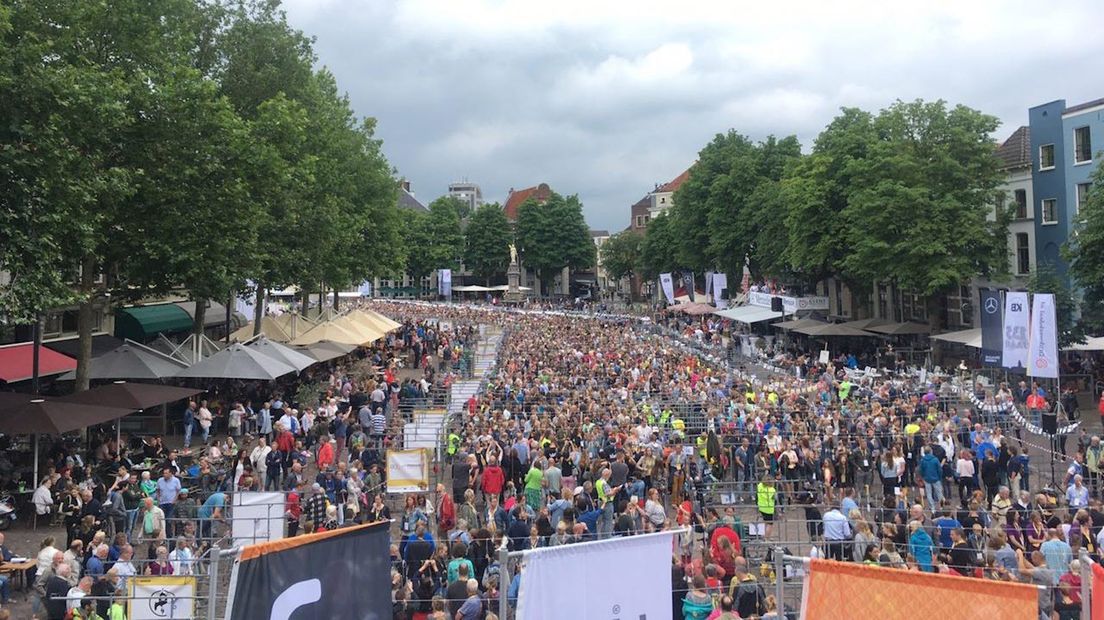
(991, 305)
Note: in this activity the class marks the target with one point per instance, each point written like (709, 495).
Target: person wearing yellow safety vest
(765, 496)
(606, 501)
(453, 445)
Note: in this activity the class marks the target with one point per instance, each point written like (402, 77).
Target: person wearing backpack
(747, 593)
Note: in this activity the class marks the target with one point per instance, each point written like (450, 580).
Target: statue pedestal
(513, 278)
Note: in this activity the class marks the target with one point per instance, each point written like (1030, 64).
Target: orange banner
(836, 590)
(1097, 592)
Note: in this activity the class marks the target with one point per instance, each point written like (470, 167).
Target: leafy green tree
(658, 249)
(918, 209)
(554, 235)
(817, 191)
(1045, 279)
(621, 254)
(487, 239)
(433, 240)
(1085, 253)
(730, 205)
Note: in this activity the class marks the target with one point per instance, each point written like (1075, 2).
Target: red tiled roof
(541, 193)
(676, 183)
(16, 360)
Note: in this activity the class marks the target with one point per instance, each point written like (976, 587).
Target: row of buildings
(1047, 166)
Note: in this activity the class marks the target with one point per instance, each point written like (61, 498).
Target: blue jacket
(920, 546)
(930, 469)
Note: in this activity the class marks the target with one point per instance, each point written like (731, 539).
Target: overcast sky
(606, 98)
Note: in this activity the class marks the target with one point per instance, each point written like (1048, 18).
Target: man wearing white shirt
(837, 533)
(124, 566)
(1077, 495)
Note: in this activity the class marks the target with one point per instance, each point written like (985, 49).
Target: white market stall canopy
(749, 314)
(1091, 344)
(968, 337)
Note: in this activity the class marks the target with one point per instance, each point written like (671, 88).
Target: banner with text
(444, 282)
(720, 283)
(343, 573)
(1014, 354)
(161, 598)
(668, 287)
(1043, 355)
(992, 341)
(408, 471)
(641, 589)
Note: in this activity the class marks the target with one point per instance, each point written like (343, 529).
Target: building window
(1046, 157)
(1023, 254)
(663, 200)
(1050, 211)
(1082, 195)
(1021, 204)
(1082, 146)
(647, 218)
(639, 221)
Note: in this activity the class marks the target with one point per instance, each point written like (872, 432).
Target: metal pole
(36, 345)
(212, 584)
(504, 580)
(1086, 585)
(779, 582)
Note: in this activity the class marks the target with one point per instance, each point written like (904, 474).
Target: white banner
(789, 304)
(444, 282)
(258, 517)
(407, 471)
(641, 589)
(1014, 353)
(161, 598)
(248, 303)
(720, 283)
(1043, 356)
(708, 284)
(365, 288)
(668, 287)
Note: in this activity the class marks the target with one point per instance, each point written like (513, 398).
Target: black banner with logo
(345, 573)
(992, 331)
(688, 282)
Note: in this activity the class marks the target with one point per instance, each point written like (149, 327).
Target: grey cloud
(510, 94)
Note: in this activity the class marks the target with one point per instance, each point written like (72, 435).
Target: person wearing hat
(187, 508)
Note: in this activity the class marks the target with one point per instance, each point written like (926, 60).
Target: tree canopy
(487, 239)
(554, 235)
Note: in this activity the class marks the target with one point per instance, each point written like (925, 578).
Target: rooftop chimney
(406, 186)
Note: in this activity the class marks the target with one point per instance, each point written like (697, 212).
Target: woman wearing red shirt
(493, 479)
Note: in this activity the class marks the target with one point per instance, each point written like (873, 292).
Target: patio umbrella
(325, 350)
(328, 331)
(238, 361)
(367, 334)
(392, 324)
(132, 360)
(132, 396)
(294, 325)
(281, 352)
(833, 329)
(900, 329)
(270, 328)
(374, 322)
(796, 323)
(24, 414)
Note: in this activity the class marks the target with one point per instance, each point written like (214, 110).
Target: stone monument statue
(513, 278)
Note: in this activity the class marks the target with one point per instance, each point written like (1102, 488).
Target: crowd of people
(151, 506)
(594, 427)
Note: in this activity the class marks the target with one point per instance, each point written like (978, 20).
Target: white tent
(1092, 344)
(968, 337)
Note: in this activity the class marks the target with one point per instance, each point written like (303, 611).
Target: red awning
(16, 360)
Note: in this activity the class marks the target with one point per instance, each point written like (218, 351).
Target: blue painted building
(1068, 144)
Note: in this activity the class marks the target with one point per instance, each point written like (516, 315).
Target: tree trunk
(259, 308)
(335, 300)
(321, 300)
(304, 303)
(200, 318)
(84, 322)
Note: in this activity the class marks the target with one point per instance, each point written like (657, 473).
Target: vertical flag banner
(688, 283)
(992, 340)
(642, 588)
(1043, 354)
(444, 282)
(365, 288)
(720, 284)
(245, 302)
(1016, 336)
(708, 284)
(668, 287)
(344, 573)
